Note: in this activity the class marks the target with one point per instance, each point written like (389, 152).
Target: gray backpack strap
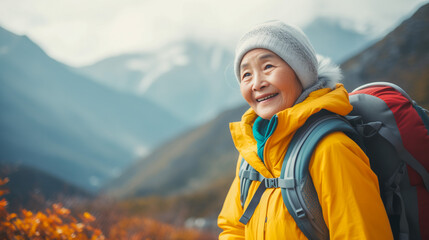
(265, 183)
(248, 213)
(247, 174)
(244, 182)
(299, 194)
(397, 207)
(392, 184)
(300, 197)
(395, 140)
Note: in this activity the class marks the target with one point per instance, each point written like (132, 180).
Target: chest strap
(265, 183)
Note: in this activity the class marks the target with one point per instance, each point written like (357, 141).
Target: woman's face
(268, 84)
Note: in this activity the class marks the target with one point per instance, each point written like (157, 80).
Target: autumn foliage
(144, 228)
(58, 222)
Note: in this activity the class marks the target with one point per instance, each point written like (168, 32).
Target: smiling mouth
(267, 97)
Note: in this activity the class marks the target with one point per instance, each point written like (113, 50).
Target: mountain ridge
(170, 160)
(200, 81)
(35, 189)
(331, 38)
(401, 57)
(66, 124)
(183, 77)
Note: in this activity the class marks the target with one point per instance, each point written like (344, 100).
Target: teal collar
(262, 130)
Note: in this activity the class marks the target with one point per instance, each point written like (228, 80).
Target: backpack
(394, 133)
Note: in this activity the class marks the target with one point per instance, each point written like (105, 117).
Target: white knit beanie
(288, 42)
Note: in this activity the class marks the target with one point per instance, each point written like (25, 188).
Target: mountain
(34, 189)
(67, 125)
(193, 81)
(188, 163)
(333, 38)
(401, 57)
(206, 154)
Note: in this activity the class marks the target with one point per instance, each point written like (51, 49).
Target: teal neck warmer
(262, 130)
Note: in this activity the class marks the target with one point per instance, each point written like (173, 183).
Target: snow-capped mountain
(192, 81)
(67, 125)
(195, 81)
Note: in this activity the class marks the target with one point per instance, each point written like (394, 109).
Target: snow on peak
(158, 64)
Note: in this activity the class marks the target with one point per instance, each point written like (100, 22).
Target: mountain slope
(195, 81)
(34, 189)
(192, 81)
(188, 163)
(67, 125)
(331, 39)
(401, 57)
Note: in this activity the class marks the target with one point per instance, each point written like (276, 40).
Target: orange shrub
(143, 228)
(54, 223)
(57, 222)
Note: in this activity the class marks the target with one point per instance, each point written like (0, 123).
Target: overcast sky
(79, 32)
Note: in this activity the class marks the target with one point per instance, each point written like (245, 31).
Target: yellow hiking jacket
(346, 186)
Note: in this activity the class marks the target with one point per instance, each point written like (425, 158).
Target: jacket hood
(289, 120)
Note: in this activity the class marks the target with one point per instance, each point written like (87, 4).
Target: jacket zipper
(265, 153)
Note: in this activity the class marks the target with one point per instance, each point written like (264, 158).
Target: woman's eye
(246, 75)
(268, 66)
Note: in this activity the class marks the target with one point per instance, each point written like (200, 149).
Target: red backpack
(392, 130)
(399, 155)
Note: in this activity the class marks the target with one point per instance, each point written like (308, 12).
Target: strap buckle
(271, 182)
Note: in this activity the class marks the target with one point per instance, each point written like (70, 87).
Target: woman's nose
(259, 82)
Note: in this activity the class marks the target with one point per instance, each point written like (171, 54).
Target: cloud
(368, 16)
(79, 32)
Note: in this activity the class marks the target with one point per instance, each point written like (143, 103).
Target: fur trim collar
(328, 75)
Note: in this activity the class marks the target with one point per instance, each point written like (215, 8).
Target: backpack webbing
(304, 208)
